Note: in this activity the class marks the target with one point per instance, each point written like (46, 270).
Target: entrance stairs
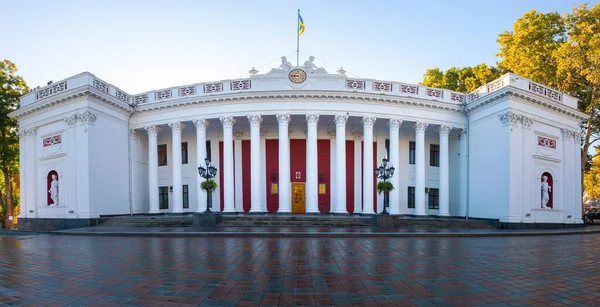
(321, 221)
(148, 221)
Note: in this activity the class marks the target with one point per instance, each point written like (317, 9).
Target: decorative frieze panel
(382, 86)
(54, 89)
(53, 140)
(217, 87)
(122, 96)
(457, 97)
(473, 96)
(496, 85)
(409, 89)
(187, 91)
(160, 95)
(101, 85)
(240, 85)
(544, 91)
(139, 99)
(434, 93)
(355, 84)
(546, 142)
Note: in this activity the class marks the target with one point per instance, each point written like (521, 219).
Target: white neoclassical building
(300, 140)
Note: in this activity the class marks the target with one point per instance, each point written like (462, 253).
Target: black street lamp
(384, 172)
(208, 173)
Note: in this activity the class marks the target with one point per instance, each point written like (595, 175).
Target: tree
(12, 87)
(464, 80)
(591, 180)
(562, 52)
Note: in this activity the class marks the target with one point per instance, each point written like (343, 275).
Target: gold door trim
(298, 197)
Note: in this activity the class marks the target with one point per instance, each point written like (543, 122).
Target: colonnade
(339, 202)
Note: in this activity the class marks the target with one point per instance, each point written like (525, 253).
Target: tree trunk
(8, 223)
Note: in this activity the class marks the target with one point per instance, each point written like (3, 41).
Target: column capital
(31, 132)
(227, 121)
(358, 134)
(394, 123)
(509, 118)
(255, 120)
(86, 118)
(71, 120)
(527, 122)
(312, 119)
(283, 118)
(200, 123)
(340, 119)
(263, 133)
(368, 122)
(238, 133)
(444, 130)
(152, 130)
(176, 126)
(462, 135)
(420, 127)
(133, 133)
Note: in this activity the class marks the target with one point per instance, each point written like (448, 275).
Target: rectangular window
(186, 197)
(411, 197)
(434, 155)
(434, 198)
(184, 153)
(162, 155)
(387, 149)
(208, 150)
(163, 197)
(411, 152)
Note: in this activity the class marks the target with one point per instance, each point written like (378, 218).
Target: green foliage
(384, 186)
(466, 79)
(209, 185)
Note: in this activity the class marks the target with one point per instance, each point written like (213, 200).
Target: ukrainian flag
(300, 25)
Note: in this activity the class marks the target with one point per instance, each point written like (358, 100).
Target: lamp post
(207, 173)
(384, 172)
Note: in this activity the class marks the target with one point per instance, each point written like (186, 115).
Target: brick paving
(51, 270)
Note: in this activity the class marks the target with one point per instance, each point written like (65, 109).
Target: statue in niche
(546, 190)
(283, 68)
(53, 188)
(310, 67)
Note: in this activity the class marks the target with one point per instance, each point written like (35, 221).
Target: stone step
(147, 221)
(297, 220)
(404, 222)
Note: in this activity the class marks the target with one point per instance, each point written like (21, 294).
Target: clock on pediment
(297, 76)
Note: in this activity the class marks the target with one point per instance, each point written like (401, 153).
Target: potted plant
(208, 185)
(384, 186)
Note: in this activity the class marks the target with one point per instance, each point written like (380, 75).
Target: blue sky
(145, 45)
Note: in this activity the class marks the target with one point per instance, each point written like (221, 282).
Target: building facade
(300, 140)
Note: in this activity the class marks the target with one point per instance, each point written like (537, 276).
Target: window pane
(163, 197)
(184, 153)
(186, 197)
(387, 149)
(162, 155)
(434, 155)
(208, 150)
(434, 198)
(411, 152)
(411, 197)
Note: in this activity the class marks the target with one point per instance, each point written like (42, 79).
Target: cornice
(83, 91)
(279, 96)
(530, 98)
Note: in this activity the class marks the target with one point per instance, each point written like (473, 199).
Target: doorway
(298, 197)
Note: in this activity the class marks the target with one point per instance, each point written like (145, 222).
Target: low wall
(45, 224)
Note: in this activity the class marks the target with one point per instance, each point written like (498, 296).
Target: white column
(263, 170)
(368, 170)
(176, 128)
(312, 172)
(462, 208)
(394, 160)
(420, 168)
(332, 174)
(228, 190)
(285, 190)
(340, 162)
(577, 200)
(255, 171)
(444, 172)
(357, 171)
(201, 125)
(153, 167)
(23, 175)
(133, 167)
(239, 191)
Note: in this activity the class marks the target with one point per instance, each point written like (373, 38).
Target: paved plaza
(59, 270)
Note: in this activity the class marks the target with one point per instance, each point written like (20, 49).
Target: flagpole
(298, 40)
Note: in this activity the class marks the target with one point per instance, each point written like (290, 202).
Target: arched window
(547, 191)
(52, 188)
